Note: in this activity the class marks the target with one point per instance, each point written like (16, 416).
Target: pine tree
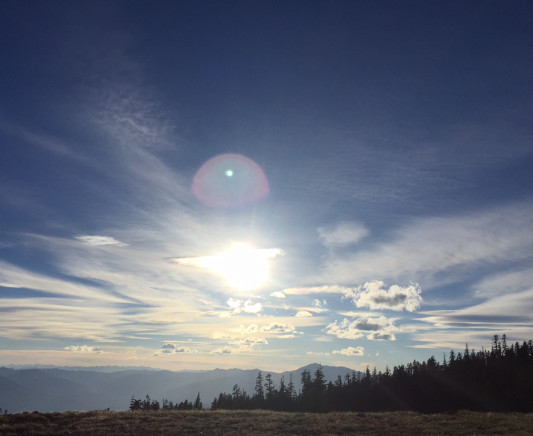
(197, 402)
(290, 388)
(269, 387)
(259, 392)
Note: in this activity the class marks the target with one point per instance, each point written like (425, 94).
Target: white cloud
(9, 285)
(350, 351)
(94, 240)
(373, 296)
(318, 290)
(83, 349)
(17, 277)
(173, 349)
(223, 350)
(249, 307)
(278, 328)
(277, 294)
(168, 349)
(345, 233)
(344, 330)
(302, 314)
(381, 336)
(247, 343)
(379, 328)
(503, 283)
(234, 304)
(434, 251)
(238, 306)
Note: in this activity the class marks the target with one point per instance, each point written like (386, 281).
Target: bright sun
(243, 267)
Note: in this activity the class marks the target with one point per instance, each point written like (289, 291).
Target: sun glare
(243, 267)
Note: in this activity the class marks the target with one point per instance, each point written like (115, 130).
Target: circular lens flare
(229, 180)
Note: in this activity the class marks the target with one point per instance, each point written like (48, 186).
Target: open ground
(265, 423)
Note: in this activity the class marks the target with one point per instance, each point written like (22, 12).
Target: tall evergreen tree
(198, 402)
(259, 391)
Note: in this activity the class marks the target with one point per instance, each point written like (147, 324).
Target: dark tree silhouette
(497, 380)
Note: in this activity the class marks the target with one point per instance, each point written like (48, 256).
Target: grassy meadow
(259, 422)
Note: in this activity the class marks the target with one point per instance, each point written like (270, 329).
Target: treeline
(149, 404)
(497, 380)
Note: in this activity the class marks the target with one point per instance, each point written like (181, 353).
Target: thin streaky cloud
(94, 241)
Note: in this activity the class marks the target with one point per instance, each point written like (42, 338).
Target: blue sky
(263, 184)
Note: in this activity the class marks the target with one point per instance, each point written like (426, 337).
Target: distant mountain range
(62, 389)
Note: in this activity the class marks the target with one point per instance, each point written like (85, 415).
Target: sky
(267, 184)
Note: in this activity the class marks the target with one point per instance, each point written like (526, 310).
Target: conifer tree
(197, 402)
(259, 391)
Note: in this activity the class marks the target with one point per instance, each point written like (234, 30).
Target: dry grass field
(265, 423)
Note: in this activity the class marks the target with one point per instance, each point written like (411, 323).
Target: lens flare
(229, 180)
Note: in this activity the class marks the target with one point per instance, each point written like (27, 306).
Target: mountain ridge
(55, 389)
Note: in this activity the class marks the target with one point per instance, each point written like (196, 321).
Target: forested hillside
(499, 379)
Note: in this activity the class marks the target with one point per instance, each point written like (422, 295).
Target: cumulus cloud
(303, 314)
(250, 307)
(223, 350)
(234, 304)
(83, 349)
(381, 336)
(344, 330)
(173, 349)
(94, 240)
(277, 294)
(345, 233)
(167, 349)
(379, 328)
(278, 328)
(319, 303)
(238, 306)
(350, 351)
(374, 296)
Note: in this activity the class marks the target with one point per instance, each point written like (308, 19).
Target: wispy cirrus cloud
(41, 139)
(17, 277)
(440, 250)
(95, 241)
(326, 289)
(503, 283)
(83, 349)
(343, 234)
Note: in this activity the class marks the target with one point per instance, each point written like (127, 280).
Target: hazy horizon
(263, 184)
